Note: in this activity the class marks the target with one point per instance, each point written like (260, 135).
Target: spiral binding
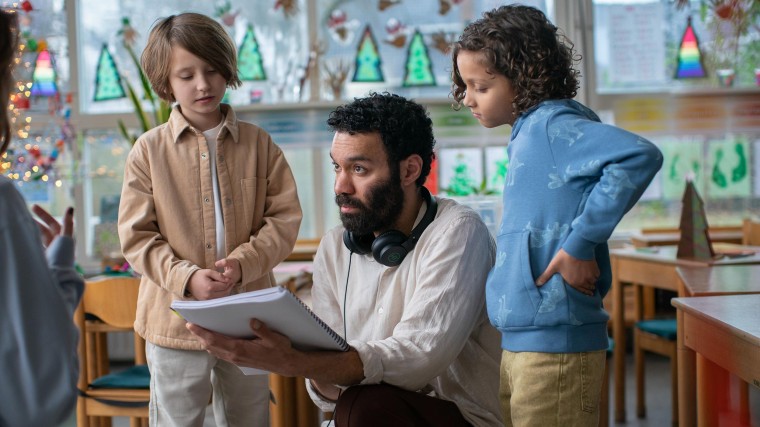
(335, 336)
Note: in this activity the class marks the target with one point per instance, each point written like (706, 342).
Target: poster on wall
(728, 167)
(636, 46)
(682, 159)
(497, 165)
(460, 171)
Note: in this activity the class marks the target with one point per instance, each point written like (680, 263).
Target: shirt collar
(179, 125)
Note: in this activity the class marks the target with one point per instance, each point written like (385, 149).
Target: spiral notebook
(277, 307)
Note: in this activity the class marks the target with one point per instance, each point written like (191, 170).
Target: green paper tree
(419, 67)
(107, 79)
(250, 61)
(462, 183)
(368, 62)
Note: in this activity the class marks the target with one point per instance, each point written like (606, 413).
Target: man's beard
(385, 202)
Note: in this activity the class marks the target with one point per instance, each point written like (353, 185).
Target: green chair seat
(665, 328)
(136, 377)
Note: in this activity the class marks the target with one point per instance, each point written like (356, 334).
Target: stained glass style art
(107, 81)
(690, 64)
(419, 68)
(44, 76)
(368, 62)
(250, 61)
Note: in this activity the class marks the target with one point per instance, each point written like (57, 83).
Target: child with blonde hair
(208, 208)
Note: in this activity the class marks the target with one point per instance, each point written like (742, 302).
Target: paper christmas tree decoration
(462, 183)
(689, 56)
(368, 62)
(107, 79)
(249, 58)
(695, 240)
(44, 76)
(419, 67)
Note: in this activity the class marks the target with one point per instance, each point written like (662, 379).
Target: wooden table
(304, 250)
(648, 267)
(640, 240)
(724, 332)
(699, 282)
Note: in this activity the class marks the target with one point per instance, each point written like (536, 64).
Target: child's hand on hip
(578, 273)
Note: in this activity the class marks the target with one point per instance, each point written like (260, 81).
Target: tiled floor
(658, 398)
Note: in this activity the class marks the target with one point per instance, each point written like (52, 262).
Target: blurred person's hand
(49, 226)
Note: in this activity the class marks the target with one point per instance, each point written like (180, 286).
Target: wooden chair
(750, 232)
(109, 305)
(656, 336)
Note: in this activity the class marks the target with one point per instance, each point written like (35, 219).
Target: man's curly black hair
(520, 43)
(404, 127)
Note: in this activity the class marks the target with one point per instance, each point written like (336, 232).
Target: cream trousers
(182, 381)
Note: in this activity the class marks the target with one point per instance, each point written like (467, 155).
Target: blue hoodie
(570, 181)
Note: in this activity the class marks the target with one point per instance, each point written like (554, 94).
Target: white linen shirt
(422, 325)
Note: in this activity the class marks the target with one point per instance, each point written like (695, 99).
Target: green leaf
(125, 133)
(138, 107)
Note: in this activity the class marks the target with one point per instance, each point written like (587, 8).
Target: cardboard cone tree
(695, 240)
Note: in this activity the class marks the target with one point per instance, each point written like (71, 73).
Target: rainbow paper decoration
(689, 56)
(368, 62)
(44, 76)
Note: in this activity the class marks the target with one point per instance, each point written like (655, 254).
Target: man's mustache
(344, 200)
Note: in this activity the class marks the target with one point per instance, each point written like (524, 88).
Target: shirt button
(228, 201)
(206, 199)
(204, 155)
(380, 310)
(208, 245)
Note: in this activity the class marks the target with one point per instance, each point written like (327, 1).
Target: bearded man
(402, 279)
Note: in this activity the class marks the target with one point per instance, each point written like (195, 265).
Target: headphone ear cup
(360, 245)
(387, 248)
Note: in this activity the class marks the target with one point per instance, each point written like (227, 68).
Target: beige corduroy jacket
(166, 215)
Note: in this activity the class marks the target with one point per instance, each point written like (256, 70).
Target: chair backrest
(109, 305)
(751, 232)
(113, 300)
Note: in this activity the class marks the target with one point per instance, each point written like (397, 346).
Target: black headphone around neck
(392, 246)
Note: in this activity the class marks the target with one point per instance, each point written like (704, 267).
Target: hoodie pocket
(511, 293)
